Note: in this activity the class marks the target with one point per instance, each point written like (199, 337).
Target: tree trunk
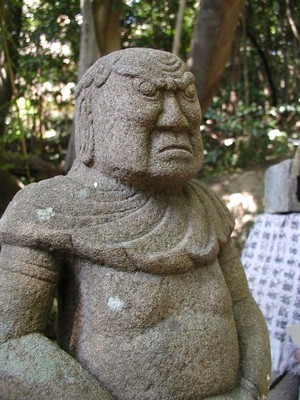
(5, 96)
(8, 188)
(100, 35)
(178, 27)
(100, 31)
(266, 66)
(291, 20)
(107, 15)
(89, 51)
(10, 26)
(212, 40)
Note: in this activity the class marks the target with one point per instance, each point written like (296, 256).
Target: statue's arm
(251, 330)
(31, 366)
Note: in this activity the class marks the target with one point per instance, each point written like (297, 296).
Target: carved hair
(93, 79)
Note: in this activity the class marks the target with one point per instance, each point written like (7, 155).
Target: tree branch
(178, 27)
(291, 20)
(266, 66)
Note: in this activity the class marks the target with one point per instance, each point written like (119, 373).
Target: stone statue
(153, 303)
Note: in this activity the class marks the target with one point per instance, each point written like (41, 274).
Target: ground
(243, 193)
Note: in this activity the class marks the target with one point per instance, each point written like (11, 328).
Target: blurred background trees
(245, 58)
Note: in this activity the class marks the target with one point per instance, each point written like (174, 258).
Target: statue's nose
(171, 115)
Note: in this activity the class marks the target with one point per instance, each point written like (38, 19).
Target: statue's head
(138, 117)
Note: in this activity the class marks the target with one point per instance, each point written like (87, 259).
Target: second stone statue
(153, 303)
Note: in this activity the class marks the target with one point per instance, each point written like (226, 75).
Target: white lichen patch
(115, 303)
(44, 214)
(268, 378)
(83, 193)
(263, 397)
(95, 184)
(71, 380)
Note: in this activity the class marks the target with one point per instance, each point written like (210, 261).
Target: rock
(282, 186)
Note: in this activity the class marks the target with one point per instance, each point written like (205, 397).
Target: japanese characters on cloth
(271, 259)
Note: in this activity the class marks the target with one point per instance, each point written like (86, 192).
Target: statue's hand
(245, 391)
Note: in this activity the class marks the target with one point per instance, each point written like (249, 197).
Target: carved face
(147, 130)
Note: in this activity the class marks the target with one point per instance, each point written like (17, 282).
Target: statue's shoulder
(35, 195)
(215, 208)
(32, 208)
(208, 196)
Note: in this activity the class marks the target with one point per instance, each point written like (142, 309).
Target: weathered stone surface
(281, 186)
(153, 300)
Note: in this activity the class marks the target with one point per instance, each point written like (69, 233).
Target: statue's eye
(148, 89)
(190, 92)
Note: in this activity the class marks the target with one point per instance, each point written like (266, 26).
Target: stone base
(281, 181)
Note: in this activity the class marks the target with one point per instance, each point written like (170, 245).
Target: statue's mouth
(177, 147)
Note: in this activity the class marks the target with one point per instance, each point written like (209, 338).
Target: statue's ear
(84, 132)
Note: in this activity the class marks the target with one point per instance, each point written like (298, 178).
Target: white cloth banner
(271, 259)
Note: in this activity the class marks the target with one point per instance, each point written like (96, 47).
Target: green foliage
(151, 23)
(41, 111)
(257, 106)
(249, 136)
(250, 120)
